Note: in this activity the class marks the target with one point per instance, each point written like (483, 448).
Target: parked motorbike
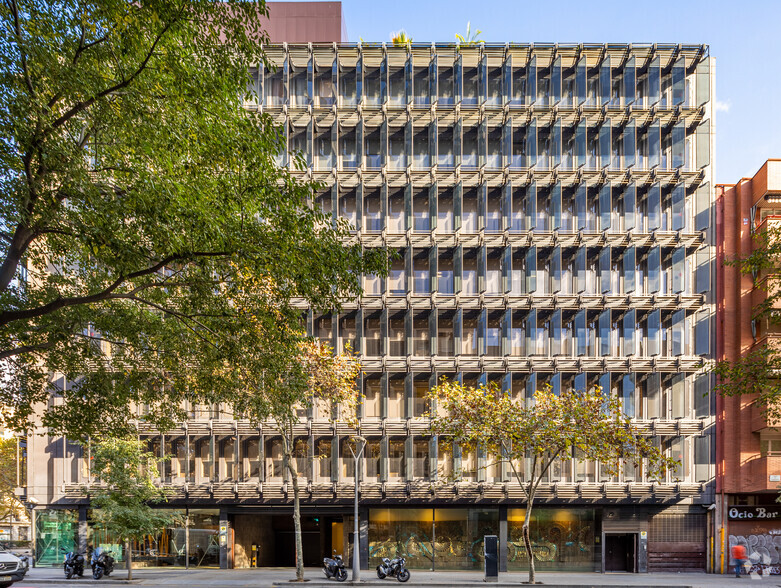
(102, 563)
(74, 564)
(334, 568)
(393, 568)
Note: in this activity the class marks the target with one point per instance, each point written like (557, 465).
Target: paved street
(51, 577)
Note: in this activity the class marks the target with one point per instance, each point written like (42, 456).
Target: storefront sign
(758, 513)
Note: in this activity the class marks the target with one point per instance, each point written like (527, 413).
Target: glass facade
(562, 539)
(440, 538)
(56, 533)
(452, 538)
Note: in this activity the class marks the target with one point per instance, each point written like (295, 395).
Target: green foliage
(401, 39)
(548, 428)
(312, 374)
(138, 199)
(757, 371)
(122, 501)
(9, 503)
(469, 38)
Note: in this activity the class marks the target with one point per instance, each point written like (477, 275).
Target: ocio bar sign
(758, 513)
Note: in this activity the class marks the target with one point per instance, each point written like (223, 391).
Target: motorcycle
(393, 568)
(102, 563)
(74, 564)
(334, 568)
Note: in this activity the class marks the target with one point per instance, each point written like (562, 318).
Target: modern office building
(552, 211)
(748, 454)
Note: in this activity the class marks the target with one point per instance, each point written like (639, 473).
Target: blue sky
(744, 36)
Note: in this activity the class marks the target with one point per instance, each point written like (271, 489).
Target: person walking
(739, 555)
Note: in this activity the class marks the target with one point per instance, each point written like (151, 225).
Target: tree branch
(181, 316)
(84, 104)
(5, 354)
(23, 55)
(10, 316)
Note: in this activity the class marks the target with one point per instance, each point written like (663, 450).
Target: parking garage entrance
(268, 540)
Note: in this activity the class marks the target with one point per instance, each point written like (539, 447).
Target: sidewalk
(281, 577)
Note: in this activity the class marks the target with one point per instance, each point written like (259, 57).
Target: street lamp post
(357, 453)
(31, 503)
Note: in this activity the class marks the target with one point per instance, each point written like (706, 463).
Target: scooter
(393, 568)
(334, 568)
(74, 564)
(102, 563)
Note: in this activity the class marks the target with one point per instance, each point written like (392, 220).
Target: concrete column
(502, 538)
(224, 539)
(364, 531)
(642, 552)
(82, 546)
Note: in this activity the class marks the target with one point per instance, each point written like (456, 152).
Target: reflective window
(371, 87)
(372, 341)
(372, 394)
(420, 84)
(445, 336)
(396, 213)
(397, 470)
(397, 340)
(396, 278)
(347, 87)
(469, 94)
(469, 336)
(420, 154)
(421, 275)
(396, 90)
(420, 213)
(469, 277)
(445, 213)
(469, 213)
(445, 84)
(324, 87)
(562, 539)
(396, 398)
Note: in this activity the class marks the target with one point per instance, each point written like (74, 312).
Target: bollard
(491, 548)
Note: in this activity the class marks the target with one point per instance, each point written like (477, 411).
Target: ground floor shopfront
(754, 521)
(440, 537)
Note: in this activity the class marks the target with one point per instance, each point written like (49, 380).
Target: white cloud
(722, 106)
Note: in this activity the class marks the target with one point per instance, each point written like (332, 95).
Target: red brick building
(748, 452)
(306, 22)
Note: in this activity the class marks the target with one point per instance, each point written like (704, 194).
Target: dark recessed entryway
(620, 552)
(269, 540)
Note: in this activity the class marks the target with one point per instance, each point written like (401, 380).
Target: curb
(471, 583)
(81, 581)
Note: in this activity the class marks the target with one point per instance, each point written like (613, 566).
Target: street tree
(315, 378)
(531, 436)
(124, 496)
(135, 191)
(757, 371)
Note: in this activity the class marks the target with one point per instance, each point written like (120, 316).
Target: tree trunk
(288, 444)
(527, 540)
(128, 560)
(297, 527)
